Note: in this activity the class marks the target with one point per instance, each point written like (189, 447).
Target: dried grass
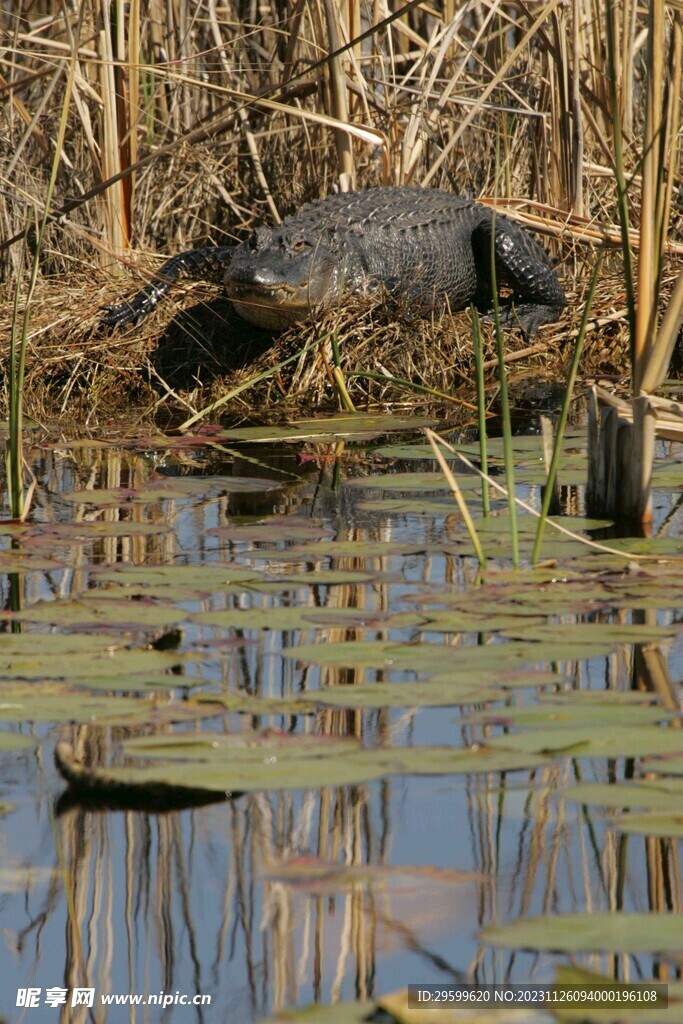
(219, 121)
(194, 349)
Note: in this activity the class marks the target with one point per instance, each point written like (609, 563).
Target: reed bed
(191, 124)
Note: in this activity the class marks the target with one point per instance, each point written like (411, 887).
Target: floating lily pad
(440, 657)
(103, 612)
(422, 482)
(586, 741)
(25, 561)
(197, 578)
(31, 706)
(396, 1004)
(272, 530)
(80, 663)
(404, 452)
(562, 715)
(462, 622)
(117, 497)
(371, 549)
(649, 794)
(274, 760)
(590, 933)
(651, 823)
(252, 704)
(628, 1013)
(586, 632)
(414, 506)
(304, 617)
(409, 695)
(15, 741)
(139, 682)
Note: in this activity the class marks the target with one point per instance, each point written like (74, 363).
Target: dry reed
(192, 125)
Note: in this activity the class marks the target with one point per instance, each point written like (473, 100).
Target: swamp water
(420, 776)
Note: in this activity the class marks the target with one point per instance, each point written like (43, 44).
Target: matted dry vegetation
(219, 116)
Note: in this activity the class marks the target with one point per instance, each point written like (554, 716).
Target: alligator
(428, 247)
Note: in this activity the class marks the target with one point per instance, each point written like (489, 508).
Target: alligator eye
(299, 245)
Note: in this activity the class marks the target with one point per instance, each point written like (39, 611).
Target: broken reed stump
(621, 448)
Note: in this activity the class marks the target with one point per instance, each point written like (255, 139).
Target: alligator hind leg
(522, 264)
(208, 264)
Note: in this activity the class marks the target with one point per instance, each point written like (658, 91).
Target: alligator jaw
(271, 307)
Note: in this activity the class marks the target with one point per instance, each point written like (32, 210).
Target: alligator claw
(118, 316)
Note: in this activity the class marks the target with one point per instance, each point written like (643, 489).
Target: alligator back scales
(430, 247)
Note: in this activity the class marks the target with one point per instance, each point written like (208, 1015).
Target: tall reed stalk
(19, 500)
(626, 449)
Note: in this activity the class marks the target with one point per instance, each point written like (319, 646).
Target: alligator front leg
(521, 264)
(208, 264)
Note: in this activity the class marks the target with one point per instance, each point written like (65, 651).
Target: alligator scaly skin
(430, 247)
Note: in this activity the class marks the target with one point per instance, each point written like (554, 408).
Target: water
(320, 886)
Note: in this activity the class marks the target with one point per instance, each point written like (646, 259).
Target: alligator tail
(208, 264)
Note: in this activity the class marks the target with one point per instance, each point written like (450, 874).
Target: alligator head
(281, 274)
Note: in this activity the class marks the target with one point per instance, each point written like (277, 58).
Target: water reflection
(273, 899)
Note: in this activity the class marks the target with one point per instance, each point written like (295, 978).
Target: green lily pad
(15, 741)
(31, 706)
(274, 760)
(586, 741)
(628, 1013)
(139, 682)
(590, 933)
(586, 632)
(414, 506)
(105, 612)
(396, 1005)
(250, 704)
(303, 617)
(649, 794)
(651, 823)
(409, 695)
(196, 578)
(78, 664)
(422, 482)
(440, 657)
(563, 715)
(272, 530)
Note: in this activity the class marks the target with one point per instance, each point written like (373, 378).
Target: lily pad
(562, 715)
(15, 741)
(651, 823)
(586, 632)
(32, 706)
(103, 612)
(197, 578)
(422, 482)
(77, 664)
(396, 1004)
(275, 760)
(272, 530)
(628, 1014)
(409, 695)
(590, 933)
(586, 741)
(649, 794)
(303, 617)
